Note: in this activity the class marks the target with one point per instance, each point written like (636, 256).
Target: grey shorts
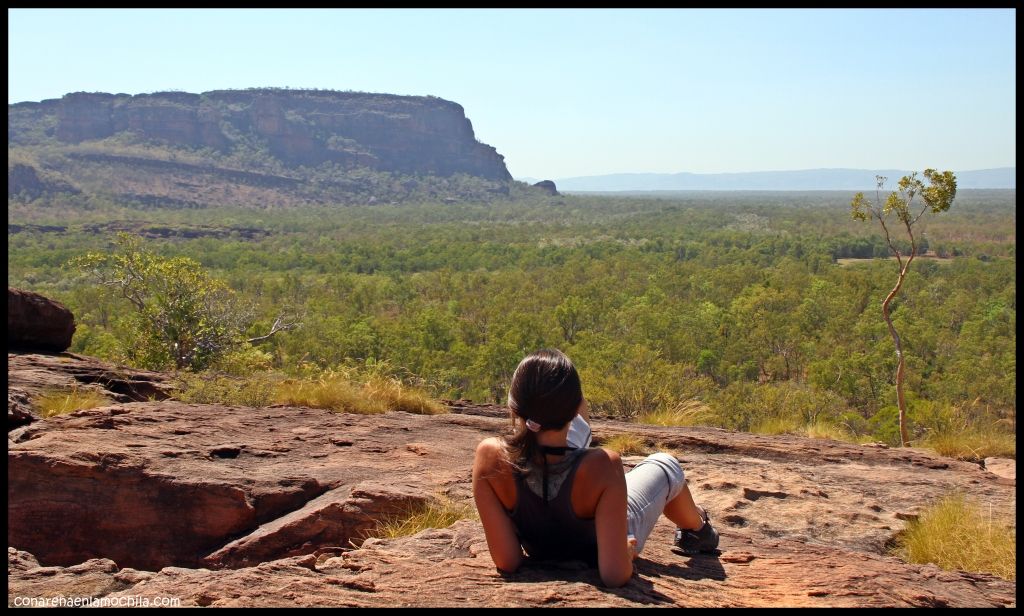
(651, 484)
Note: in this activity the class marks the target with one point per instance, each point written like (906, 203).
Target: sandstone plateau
(236, 506)
(253, 148)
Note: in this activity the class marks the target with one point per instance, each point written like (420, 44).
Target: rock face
(222, 505)
(1004, 468)
(24, 179)
(35, 322)
(405, 134)
(29, 375)
(209, 485)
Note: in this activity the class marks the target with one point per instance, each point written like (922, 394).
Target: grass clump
(776, 425)
(973, 444)
(62, 401)
(343, 391)
(338, 391)
(627, 445)
(397, 396)
(439, 513)
(210, 388)
(828, 430)
(328, 391)
(686, 413)
(956, 533)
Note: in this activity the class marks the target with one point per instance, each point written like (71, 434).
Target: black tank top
(552, 531)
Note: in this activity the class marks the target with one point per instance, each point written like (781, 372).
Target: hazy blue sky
(564, 93)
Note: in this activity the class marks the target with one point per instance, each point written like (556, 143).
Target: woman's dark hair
(546, 390)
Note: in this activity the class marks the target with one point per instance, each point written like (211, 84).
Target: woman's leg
(652, 484)
(683, 511)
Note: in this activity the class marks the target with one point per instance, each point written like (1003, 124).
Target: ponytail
(544, 394)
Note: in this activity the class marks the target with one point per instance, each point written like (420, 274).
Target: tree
(182, 316)
(937, 197)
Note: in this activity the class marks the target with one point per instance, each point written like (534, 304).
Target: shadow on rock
(695, 567)
(639, 590)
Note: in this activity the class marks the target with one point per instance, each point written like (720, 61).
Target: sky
(576, 92)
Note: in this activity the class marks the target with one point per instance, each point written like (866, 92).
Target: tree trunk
(901, 401)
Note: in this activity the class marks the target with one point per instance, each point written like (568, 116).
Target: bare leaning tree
(937, 196)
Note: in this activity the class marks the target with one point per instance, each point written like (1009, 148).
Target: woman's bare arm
(614, 557)
(502, 541)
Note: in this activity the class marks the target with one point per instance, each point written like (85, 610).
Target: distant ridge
(807, 179)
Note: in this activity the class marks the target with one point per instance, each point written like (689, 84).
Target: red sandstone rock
(19, 409)
(35, 373)
(31, 375)
(270, 498)
(155, 484)
(451, 567)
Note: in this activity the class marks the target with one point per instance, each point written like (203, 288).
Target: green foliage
(965, 432)
(182, 317)
(773, 406)
(728, 302)
(684, 413)
(959, 534)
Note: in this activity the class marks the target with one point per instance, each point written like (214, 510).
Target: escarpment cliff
(213, 143)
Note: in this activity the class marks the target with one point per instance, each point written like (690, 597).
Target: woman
(549, 495)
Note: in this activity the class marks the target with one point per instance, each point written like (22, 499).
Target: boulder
(547, 186)
(38, 323)
(19, 409)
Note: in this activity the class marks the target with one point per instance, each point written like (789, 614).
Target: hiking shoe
(695, 541)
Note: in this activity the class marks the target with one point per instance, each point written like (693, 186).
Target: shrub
(327, 392)
(773, 408)
(776, 425)
(214, 388)
(638, 381)
(961, 432)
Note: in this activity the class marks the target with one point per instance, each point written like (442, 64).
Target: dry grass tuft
(627, 445)
(440, 513)
(336, 391)
(958, 534)
(63, 401)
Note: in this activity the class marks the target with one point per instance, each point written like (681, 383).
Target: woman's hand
(631, 547)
